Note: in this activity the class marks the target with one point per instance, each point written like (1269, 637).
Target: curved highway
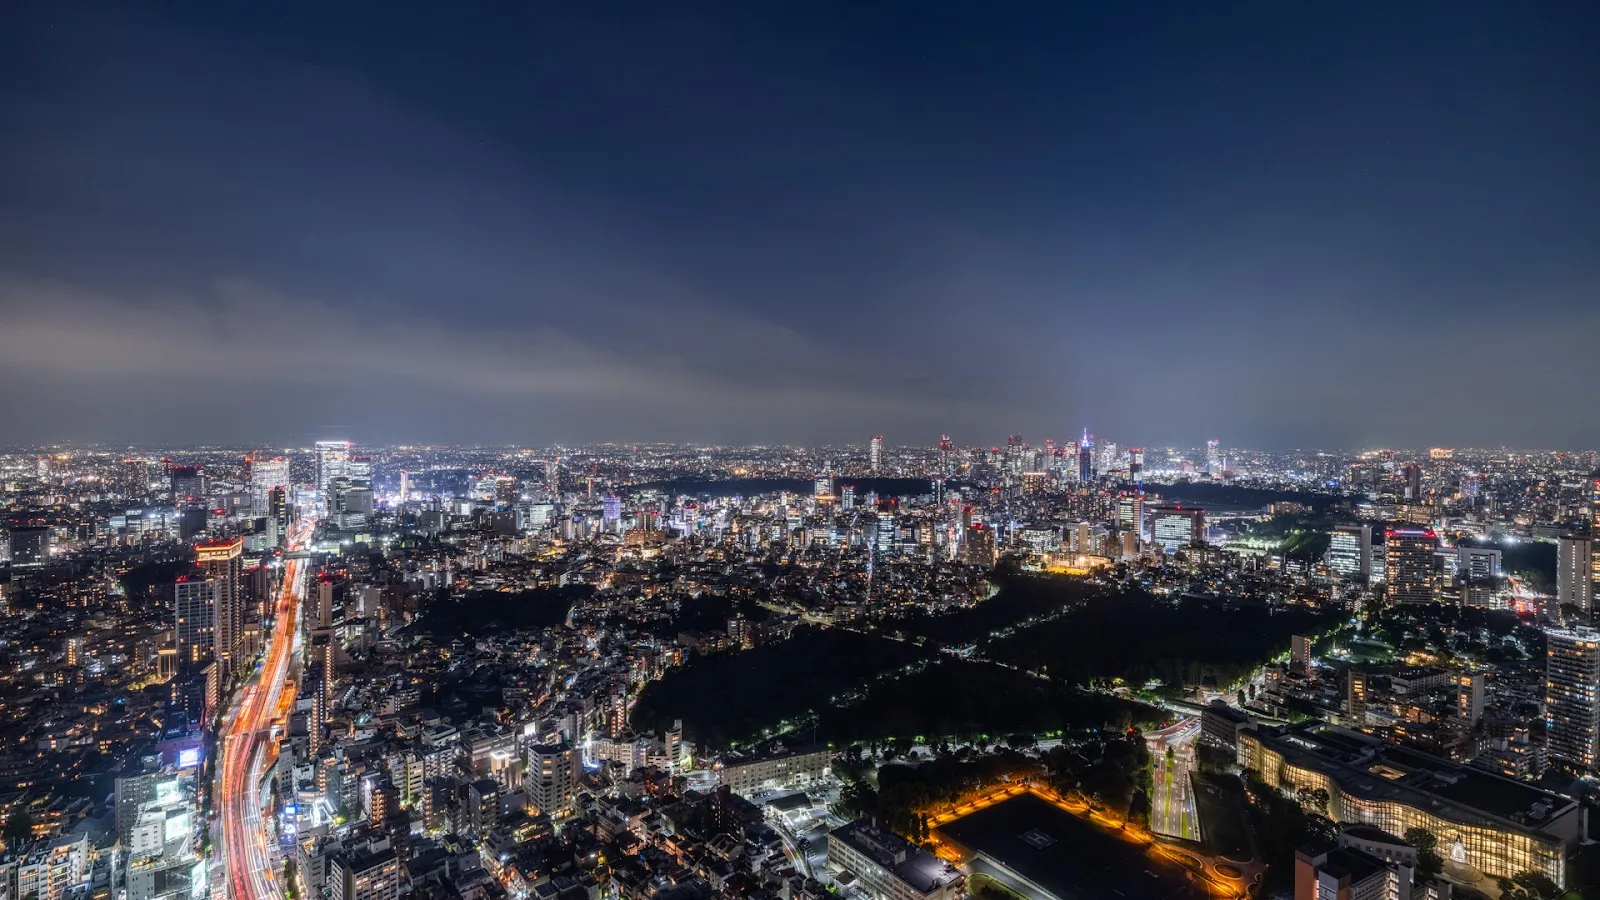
(247, 745)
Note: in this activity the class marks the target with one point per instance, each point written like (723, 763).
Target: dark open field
(1067, 856)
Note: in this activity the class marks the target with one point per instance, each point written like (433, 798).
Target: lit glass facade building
(1173, 527)
(1350, 551)
(1495, 825)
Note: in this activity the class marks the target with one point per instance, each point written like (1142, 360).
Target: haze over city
(803, 224)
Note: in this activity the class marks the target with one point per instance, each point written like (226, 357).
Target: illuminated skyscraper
(1106, 457)
(135, 480)
(552, 474)
(1411, 564)
(883, 538)
(1086, 457)
(188, 485)
(223, 563)
(875, 454)
(978, 545)
(1572, 697)
(1173, 527)
(1594, 532)
(1213, 458)
(1574, 571)
(822, 488)
(1135, 461)
(278, 513)
(195, 626)
(847, 497)
(1130, 511)
(266, 474)
(1413, 482)
(611, 509)
(333, 459)
(1350, 551)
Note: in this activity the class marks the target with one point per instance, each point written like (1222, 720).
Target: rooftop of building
(1357, 864)
(918, 868)
(1372, 769)
(1374, 835)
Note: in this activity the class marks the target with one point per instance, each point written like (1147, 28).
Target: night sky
(1363, 225)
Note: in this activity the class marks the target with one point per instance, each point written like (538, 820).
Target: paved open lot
(1067, 856)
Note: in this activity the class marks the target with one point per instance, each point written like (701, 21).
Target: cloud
(241, 338)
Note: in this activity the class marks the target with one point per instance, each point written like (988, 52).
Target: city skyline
(822, 451)
(355, 671)
(801, 226)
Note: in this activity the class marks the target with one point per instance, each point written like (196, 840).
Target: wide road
(1172, 809)
(246, 745)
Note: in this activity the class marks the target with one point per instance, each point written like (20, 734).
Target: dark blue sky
(1363, 224)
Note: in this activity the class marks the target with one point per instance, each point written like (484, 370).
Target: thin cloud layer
(559, 226)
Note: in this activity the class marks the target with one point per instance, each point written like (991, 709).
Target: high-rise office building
(223, 562)
(266, 474)
(1572, 697)
(195, 619)
(822, 488)
(978, 545)
(611, 509)
(875, 454)
(552, 474)
(134, 481)
(1411, 564)
(278, 513)
(1413, 482)
(1594, 533)
(1213, 458)
(359, 470)
(1135, 461)
(1130, 511)
(333, 458)
(1350, 551)
(847, 497)
(1477, 563)
(1105, 457)
(1086, 457)
(323, 610)
(1575, 572)
(188, 485)
(883, 534)
(1172, 527)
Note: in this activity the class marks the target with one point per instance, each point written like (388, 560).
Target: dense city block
(643, 671)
